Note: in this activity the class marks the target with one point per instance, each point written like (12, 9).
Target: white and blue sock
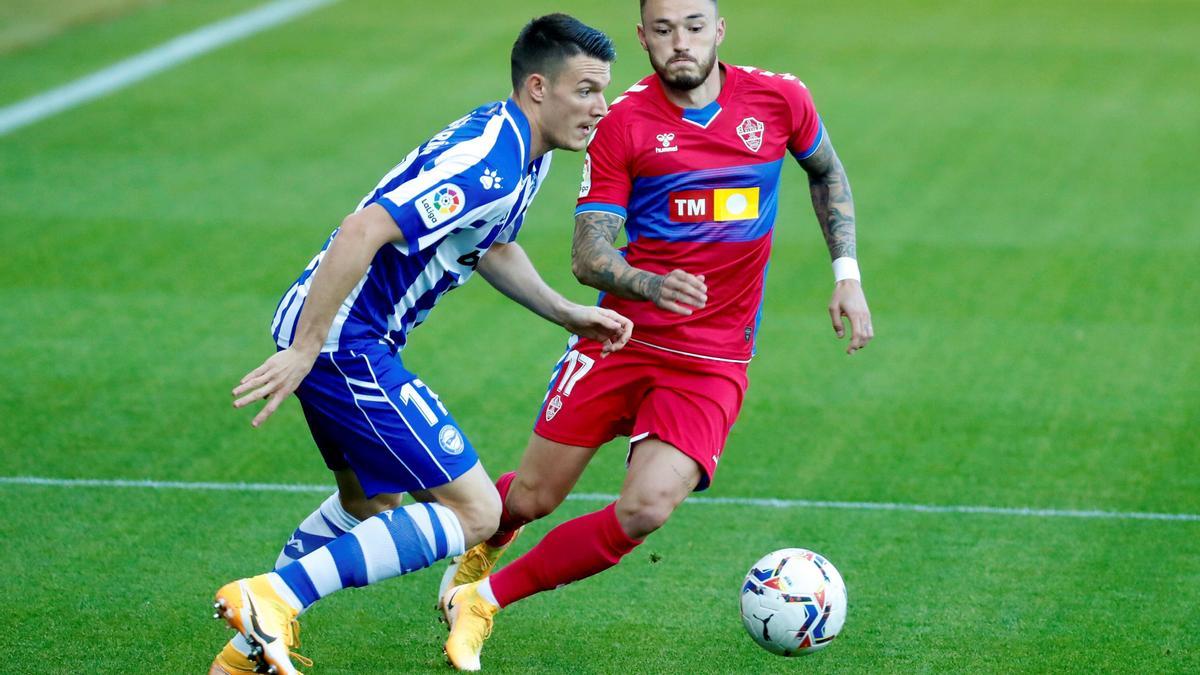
(322, 526)
(392, 543)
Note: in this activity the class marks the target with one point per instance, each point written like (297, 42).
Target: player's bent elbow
(373, 226)
(583, 271)
(353, 227)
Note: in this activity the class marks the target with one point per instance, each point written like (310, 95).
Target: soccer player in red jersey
(688, 160)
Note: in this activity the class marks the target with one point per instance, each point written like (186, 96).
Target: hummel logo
(666, 139)
(490, 179)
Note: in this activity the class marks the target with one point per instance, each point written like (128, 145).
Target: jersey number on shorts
(409, 396)
(578, 365)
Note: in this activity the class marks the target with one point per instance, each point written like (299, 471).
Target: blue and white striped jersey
(453, 197)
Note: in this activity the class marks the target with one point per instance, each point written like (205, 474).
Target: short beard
(683, 82)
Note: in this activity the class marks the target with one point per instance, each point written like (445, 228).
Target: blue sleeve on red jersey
(807, 130)
(600, 206)
(808, 152)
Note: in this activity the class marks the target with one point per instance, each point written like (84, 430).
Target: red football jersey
(698, 191)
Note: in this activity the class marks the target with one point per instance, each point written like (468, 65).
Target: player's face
(681, 37)
(574, 102)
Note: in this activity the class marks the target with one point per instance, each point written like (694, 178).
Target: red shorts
(641, 391)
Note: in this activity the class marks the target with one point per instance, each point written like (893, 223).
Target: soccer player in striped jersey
(688, 161)
(453, 206)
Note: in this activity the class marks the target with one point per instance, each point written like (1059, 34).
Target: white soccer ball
(793, 602)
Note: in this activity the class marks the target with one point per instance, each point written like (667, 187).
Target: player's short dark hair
(547, 41)
(642, 6)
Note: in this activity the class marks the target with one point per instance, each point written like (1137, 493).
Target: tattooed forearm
(597, 263)
(832, 201)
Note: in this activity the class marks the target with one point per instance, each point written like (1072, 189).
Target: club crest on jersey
(666, 140)
(751, 133)
(441, 204)
(450, 440)
(553, 407)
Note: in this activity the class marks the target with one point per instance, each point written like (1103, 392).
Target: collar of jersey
(522, 123)
(702, 117)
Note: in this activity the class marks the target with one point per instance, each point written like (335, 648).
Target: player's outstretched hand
(275, 379)
(602, 325)
(678, 291)
(848, 301)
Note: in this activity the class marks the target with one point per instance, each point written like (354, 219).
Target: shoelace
(304, 660)
(475, 555)
(485, 562)
(487, 619)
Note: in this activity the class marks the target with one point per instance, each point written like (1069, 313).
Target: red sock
(509, 524)
(575, 550)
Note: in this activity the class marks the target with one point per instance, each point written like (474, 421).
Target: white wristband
(845, 268)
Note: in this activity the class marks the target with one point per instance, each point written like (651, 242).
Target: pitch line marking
(604, 498)
(157, 59)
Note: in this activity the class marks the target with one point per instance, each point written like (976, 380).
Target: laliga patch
(553, 407)
(585, 184)
(751, 133)
(450, 440)
(441, 204)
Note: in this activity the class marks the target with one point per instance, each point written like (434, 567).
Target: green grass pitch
(1029, 224)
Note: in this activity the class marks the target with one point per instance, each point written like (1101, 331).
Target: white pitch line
(598, 497)
(139, 67)
(162, 485)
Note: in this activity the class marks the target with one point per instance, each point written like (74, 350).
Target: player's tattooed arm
(832, 201)
(597, 263)
(834, 206)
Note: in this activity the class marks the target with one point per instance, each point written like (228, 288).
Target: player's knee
(479, 519)
(640, 517)
(385, 502)
(363, 508)
(527, 502)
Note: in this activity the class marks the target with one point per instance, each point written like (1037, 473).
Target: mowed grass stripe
(148, 63)
(601, 497)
